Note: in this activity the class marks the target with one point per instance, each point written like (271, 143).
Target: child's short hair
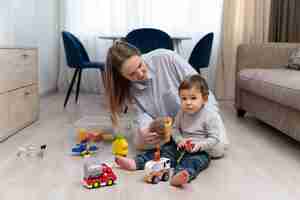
(194, 81)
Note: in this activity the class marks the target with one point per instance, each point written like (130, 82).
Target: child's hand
(189, 146)
(196, 147)
(182, 145)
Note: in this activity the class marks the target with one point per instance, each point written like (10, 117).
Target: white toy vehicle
(157, 169)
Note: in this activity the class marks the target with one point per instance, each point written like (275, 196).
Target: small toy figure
(120, 146)
(96, 175)
(162, 126)
(32, 150)
(157, 169)
(84, 149)
(87, 140)
(82, 136)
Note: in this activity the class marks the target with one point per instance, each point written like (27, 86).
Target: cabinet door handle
(25, 55)
(26, 93)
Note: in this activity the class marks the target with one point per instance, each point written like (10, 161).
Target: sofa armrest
(267, 55)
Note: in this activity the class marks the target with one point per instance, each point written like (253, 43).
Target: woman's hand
(149, 137)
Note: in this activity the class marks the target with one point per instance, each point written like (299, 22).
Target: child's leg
(180, 178)
(136, 163)
(168, 150)
(191, 164)
(141, 159)
(126, 163)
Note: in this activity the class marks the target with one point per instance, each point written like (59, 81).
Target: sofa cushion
(280, 85)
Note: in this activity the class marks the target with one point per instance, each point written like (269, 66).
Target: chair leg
(125, 109)
(102, 76)
(240, 112)
(70, 87)
(78, 86)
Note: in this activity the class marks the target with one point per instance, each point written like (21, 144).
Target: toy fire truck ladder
(157, 153)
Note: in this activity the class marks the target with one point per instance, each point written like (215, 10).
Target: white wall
(207, 17)
(33, 23)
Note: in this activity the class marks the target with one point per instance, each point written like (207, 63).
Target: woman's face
(134, 69)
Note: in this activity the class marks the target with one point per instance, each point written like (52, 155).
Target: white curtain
(244, 21)
(88, 19)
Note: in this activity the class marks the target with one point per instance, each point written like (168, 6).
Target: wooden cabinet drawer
(19, 98)
(4, 114)
(18, 68)
(23, 106)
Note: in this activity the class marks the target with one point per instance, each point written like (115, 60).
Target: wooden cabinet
(19, 98)
(4, 117)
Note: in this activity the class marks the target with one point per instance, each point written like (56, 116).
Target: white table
(177, 42)
(176, 38)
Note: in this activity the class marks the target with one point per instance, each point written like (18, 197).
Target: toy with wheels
(158, 169)
(93, 136)
(84, 149)
(97, 175)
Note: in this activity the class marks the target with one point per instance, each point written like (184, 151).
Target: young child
(195, 124)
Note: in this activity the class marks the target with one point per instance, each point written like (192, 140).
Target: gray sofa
(266, 89)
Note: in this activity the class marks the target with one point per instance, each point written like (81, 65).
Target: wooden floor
(262, 163)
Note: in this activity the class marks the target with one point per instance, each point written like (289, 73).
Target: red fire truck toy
(97, 175)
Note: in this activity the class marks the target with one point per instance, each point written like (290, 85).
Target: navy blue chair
(148, 39)
(78, 59)
(201, 53)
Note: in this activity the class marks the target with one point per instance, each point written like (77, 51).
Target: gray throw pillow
(294, 59)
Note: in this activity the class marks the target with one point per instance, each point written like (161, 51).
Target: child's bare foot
(125, 163)
(180, 178)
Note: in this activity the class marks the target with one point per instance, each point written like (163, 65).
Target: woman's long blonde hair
(116, 86)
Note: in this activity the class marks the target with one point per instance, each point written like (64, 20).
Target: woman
(150, 81)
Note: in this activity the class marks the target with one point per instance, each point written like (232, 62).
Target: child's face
(191, 100)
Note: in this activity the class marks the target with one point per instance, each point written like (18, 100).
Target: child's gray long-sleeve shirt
(158, 96)
(205, 127)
